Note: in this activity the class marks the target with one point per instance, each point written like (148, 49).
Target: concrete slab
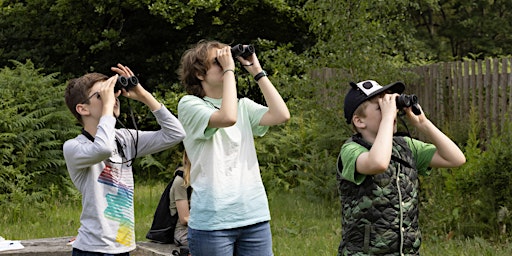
(58, 247)
(153, 249)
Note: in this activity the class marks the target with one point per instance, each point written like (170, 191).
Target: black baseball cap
(364, 91)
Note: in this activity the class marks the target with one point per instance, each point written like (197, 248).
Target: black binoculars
(126, 82)
(406, 101)
(242, 50)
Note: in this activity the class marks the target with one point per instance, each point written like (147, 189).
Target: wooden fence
(448, 92)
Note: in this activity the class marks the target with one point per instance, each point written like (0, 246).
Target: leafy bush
(34, 123)
(474, 200)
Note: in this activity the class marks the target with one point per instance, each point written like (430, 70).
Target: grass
(300, 226)
(304, 227)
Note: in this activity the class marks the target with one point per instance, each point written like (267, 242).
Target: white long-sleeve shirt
(105, 179)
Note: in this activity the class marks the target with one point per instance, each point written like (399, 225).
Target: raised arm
(277, 110)
(448, 154)
(228, 112)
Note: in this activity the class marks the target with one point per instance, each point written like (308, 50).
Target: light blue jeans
(253, 240)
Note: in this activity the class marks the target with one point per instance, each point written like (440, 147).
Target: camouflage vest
(380, 216)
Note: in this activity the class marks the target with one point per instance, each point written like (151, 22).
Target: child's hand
(225, 59)
(134, 92)
(106, 92)
(387, 104)
(251, 64)
(138, 92)
(414, 119)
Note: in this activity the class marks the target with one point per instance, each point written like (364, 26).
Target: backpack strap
(189, 192)
(189, 188)
(91, 138)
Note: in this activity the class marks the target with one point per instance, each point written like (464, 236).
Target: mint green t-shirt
(422, 153)
(227, 188)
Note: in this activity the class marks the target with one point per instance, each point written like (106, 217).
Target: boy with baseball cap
(378, 172)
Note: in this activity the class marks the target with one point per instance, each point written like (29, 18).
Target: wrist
(261, 74)
(424, 126)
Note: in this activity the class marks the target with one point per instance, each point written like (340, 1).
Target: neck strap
(87, 134)
(91, 138)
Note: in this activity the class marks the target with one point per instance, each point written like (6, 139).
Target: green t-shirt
(350, 151)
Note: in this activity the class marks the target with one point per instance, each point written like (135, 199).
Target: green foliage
(33, 125)
(487, 186)
(367, 39)
(74, 37)
(182, 14)
(455, 29)
(473, 200)
(302, 153)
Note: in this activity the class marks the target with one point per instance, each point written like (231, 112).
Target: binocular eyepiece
(242, 50)
(406, 101)
(126, 82)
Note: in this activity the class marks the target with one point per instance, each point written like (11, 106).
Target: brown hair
(78, 89)
(195, 62)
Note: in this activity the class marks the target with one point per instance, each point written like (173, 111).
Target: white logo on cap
(368, 86)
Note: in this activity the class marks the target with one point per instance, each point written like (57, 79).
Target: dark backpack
(162, 228)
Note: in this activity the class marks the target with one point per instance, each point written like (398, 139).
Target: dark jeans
(77, 252)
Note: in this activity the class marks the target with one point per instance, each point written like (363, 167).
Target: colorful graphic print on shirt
(119, 206)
